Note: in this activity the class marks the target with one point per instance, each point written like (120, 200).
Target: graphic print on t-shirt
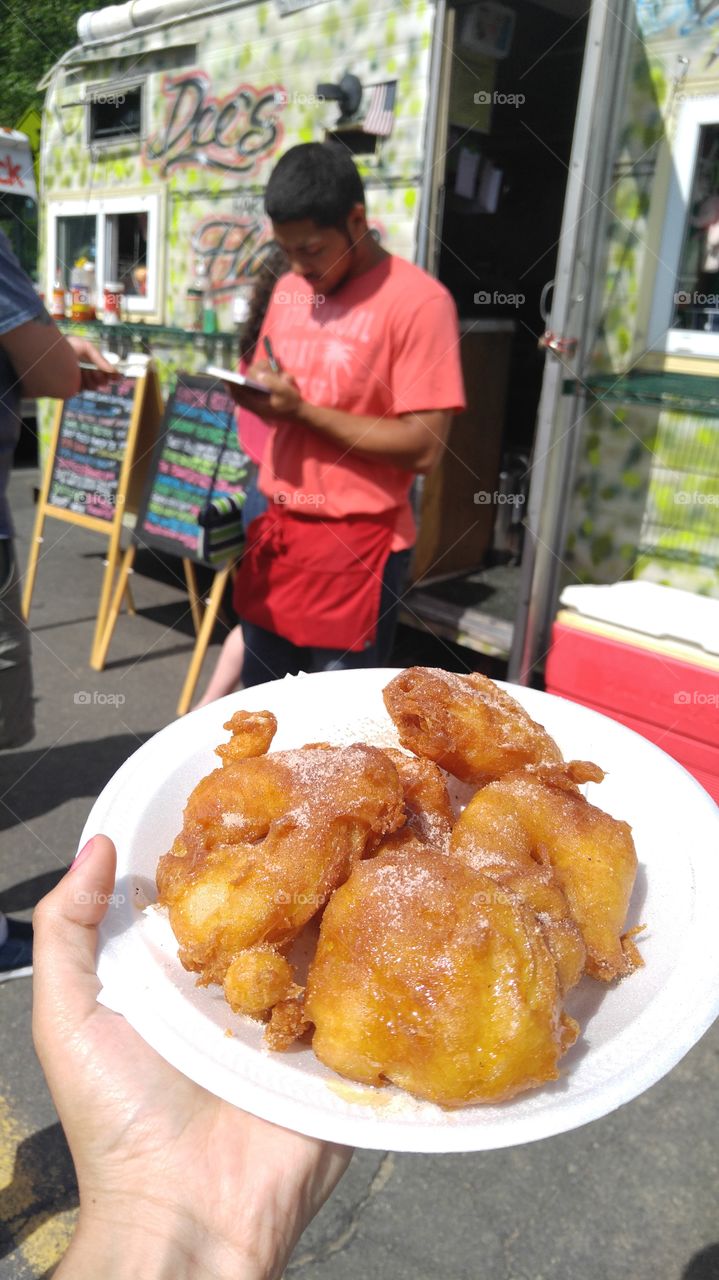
(326, 349)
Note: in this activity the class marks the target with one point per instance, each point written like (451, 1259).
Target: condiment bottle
(82, 287)
(112, 307)
(196, 297)
(57, 308)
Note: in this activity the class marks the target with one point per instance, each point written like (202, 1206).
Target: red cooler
(648, 656)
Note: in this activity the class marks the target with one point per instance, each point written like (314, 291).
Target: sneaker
(16, 951)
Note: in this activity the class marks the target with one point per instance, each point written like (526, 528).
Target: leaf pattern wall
(625, 495)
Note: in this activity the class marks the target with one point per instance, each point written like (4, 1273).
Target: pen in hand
(272, 359)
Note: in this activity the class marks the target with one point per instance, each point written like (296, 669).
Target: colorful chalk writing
(198, 427)
(91, 449)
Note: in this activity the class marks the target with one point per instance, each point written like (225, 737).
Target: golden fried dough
(256, 979)
(492, 839)
(429, 975)
(426, 803)
(540, 816)
(439, 951)
(252, 732)
(264, 842)
(287, 1023)
(466, 724)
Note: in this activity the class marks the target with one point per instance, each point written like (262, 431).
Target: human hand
(175, 1184)
(102, 373)
(284, 400)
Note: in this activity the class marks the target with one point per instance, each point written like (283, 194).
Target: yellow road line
(40, 1233)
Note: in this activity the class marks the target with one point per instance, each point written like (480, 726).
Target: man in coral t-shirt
(368, 350)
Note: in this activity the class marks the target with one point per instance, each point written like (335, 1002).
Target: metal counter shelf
(476, 610)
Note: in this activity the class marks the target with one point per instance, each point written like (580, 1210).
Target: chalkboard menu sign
(90, 451)
(198, 428)
(95, 472)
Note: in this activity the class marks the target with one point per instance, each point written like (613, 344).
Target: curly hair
(274, 264)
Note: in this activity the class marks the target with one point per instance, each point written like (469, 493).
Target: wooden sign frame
(203, 618)
(147, 410)
(204, 612)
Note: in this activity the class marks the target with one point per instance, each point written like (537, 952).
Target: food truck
(524, 152)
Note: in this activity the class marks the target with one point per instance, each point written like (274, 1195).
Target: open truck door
(527, 100)
(571, 324)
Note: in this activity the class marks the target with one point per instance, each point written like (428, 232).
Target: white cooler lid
(652, 610)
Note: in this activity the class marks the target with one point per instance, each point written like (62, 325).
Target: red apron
(316, 582)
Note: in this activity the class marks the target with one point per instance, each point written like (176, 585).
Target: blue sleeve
(18, 300)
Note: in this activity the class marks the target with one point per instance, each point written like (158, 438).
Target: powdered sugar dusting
(433, 828)
(233, 819)
(376, 731)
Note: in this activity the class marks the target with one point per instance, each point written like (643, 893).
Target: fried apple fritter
(445, 949)
(288, 1021)
(540, 817)
(264, 842)
(426, 802)
(492, 839)
(466, 724)
(429, 975)
(257, 979)
(252, 732)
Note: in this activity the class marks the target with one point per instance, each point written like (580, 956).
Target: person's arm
(174, 1183)
(425, 370)
(44, 361)
(413, 441)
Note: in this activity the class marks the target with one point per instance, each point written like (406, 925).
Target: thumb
(104, 365)
(65, 984)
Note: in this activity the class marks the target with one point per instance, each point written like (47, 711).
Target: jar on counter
(195, 307)
(112, 302)
(57, 309)
(82, 291)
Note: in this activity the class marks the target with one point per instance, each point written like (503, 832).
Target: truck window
(116, 238)
(115, 114)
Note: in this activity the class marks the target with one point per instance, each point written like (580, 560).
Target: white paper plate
(633, 1032)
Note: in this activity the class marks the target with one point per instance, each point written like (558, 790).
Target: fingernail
(86, 849)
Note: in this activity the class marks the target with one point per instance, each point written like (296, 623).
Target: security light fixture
(348, 93)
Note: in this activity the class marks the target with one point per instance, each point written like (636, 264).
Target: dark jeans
(17, 718)
(270, 657)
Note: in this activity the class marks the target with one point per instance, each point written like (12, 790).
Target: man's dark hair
(316, 180)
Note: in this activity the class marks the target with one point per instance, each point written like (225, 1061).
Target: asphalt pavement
(630, 1197)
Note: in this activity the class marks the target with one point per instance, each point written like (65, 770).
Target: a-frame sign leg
(98, 657)
(129, 598)
(193, 594)
(203, 639)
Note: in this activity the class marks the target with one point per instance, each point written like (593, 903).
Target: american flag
(379, 116)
